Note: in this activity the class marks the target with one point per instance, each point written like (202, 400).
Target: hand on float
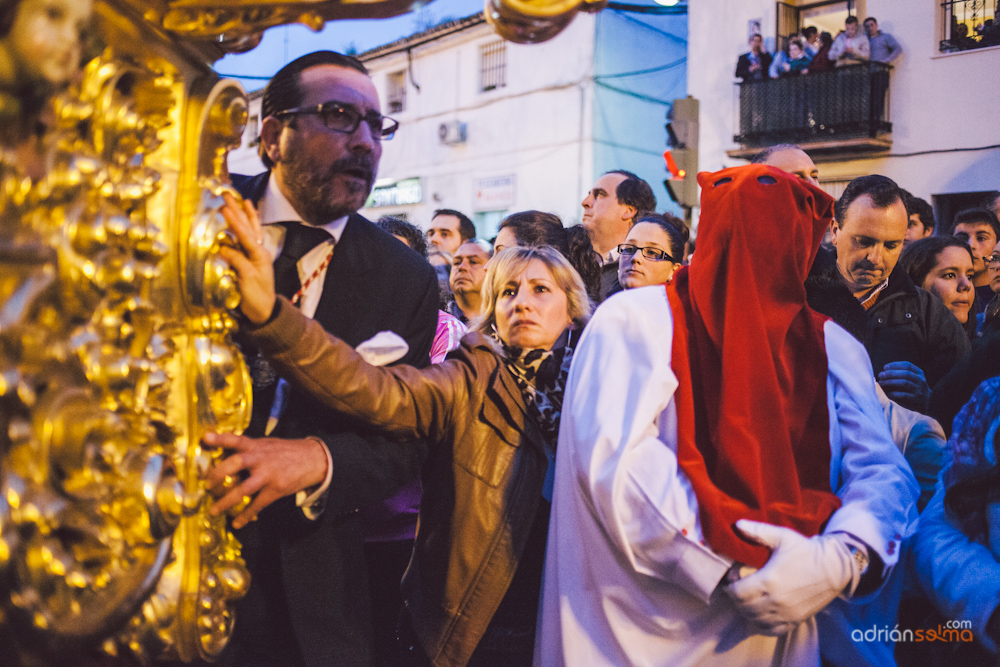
(264, 469)
(254, 266)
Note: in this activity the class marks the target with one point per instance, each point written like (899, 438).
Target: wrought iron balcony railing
(843, 103)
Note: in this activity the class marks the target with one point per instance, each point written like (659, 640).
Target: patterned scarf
(541, 377)
(973, 455)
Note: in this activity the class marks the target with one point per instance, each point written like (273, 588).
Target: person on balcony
(850, 47)
(798, 60)
(810, 36)
(882, 46)
(777, 68)
(821, 61)
(754, 66)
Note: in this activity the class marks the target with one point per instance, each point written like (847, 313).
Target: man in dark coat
(754, 66)
(915, 338)
(309, 603)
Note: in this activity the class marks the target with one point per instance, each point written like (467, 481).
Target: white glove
(802, 576)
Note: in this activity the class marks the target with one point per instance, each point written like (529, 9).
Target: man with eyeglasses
(317, 484)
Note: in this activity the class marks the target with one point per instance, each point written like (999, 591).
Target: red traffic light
(675, 173)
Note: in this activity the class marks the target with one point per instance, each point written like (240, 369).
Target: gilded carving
(115, 357)
(116, 318)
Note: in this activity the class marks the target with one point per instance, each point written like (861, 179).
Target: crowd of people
(815, 51)
(981, 35)
(589, 445)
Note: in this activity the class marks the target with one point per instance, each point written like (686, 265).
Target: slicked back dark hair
(466, 228)
(634, 192)
(882, 189)
(971, 216)
(672, 226)
(284, 91)
(851, 19)
(398, 227)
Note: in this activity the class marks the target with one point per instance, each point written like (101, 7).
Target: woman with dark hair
(652, 251)
(943, 265)
(821, 62)
(534, 228)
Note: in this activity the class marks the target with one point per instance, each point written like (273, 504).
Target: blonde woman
(490, 413)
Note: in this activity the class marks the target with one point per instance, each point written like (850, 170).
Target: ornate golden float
(115, 328)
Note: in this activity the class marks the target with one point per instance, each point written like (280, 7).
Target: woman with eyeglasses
(652, 251)
(490, 414)
(992, 261)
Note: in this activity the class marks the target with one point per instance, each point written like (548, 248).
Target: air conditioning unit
(452, 133)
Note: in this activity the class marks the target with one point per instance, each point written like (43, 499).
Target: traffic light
(681, 156)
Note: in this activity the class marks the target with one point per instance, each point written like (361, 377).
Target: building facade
(490, 127)
(935, 136)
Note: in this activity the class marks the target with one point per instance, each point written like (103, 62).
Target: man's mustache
(354, 165)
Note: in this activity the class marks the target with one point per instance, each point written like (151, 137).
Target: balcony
(834, 115)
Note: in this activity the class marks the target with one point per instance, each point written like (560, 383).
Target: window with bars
(492, 66)
(969, 24)
(396, 95)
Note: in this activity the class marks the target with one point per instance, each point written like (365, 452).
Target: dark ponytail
(581, 254)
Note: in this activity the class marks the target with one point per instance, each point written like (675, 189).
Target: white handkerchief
(383, 348)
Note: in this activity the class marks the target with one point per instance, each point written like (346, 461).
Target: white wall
(717, 35)
(534, 128)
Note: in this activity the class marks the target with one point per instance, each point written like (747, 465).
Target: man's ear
(834, 231)
(270, 138)
(629, 213)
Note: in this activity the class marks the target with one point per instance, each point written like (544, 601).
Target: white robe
(628, 580)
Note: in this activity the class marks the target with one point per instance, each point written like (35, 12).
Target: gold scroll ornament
(115, 358)
(115, 317)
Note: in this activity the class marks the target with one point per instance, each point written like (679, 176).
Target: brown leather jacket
(481, 494)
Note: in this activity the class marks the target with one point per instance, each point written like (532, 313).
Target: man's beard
(318, 198)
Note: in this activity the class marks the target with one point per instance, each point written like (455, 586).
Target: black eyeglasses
(991, 260)
(654, 254)
(341, 117)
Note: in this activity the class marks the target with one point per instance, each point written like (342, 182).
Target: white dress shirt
(275, 208)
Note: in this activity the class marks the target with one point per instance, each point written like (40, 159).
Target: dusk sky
(283, 44)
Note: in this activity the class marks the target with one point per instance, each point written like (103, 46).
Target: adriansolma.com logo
(952, 631)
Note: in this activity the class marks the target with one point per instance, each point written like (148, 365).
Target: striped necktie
(299, 240)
